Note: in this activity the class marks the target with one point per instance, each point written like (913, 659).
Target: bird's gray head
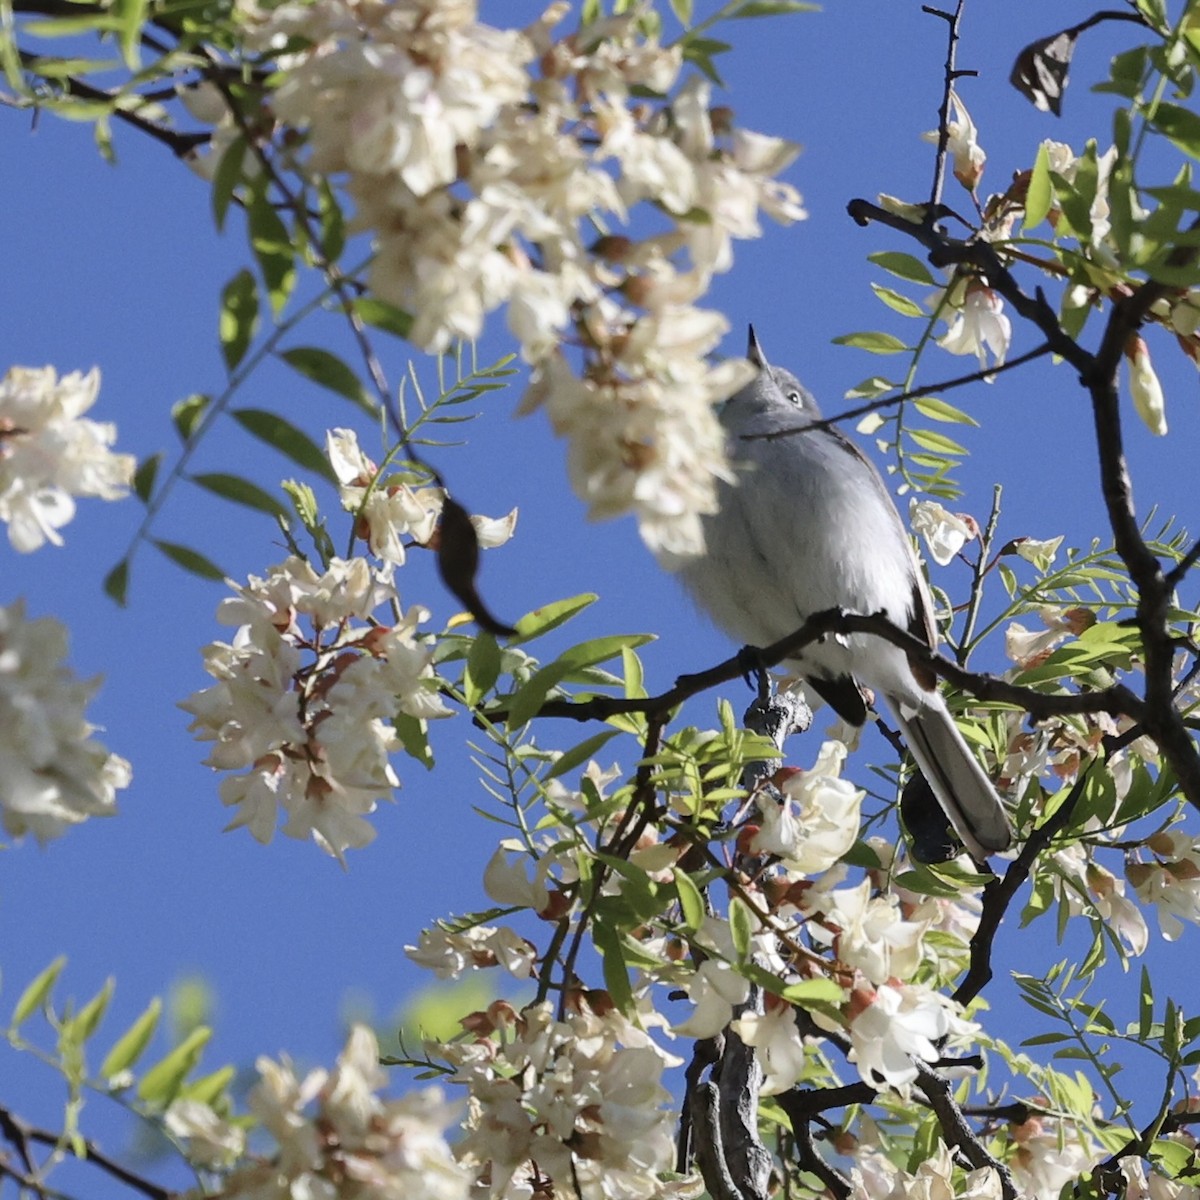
(773, 390)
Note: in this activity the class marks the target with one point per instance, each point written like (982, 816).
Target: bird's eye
(794, 397)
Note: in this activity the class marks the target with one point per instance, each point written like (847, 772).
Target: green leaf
(187, 413)
(209, 1089)
(116, 582)
(87, 1020)
(240, 491)
(144, 476)
(272, 245)
(1040, 195)
(876, 385)
(131, 1045)
(328, 371)
(813, 992)
(483, 668)
(190, 560)
(414, 738)
(382, 315)
(939, 443)
(60, 68)
(616, 974)
(741, 927)
(1181, 125)
(550, 616)
(239, 317)
(700, 51)
(129, 16)
(532, 694)
(285, 437)
(37, 993)
(873, 341)
(1046, 1039)
(577, 755)
(633, 675)
(772, 8)
(897, 302)
(940, 410)
(162, 1082)
(903, 266)
(333, 223)
(226, 178)
(691, 902)
(682, 10)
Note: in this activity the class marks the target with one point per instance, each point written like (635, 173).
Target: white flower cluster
(50, 452)
(572, 1107)
(334, 1135)
(819, 818)
(875, 1177)
(481, 160)
(53, 774)
(450, 952)
(389, 512)
(1170, 880)
(305, 697)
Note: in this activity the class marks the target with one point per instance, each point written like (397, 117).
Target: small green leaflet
(285, 437)
(240, 491)
(1040, 195)
(191, 560)
(239, 317)
(873, 341)
(903, 266)
(330, 372)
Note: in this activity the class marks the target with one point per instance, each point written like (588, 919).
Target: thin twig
(929, 389)
(1117, 700)
(950, 74)
(91, 1153)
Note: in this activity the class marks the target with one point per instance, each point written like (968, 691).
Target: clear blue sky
(119, 267)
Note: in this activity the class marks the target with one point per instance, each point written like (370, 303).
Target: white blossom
(1171, 881)
(874, 1177)
(979, 327)
(478, 159)
(962, 144)
(870, 934)
(507, 882)
(581, 1098)
(336, 1136)
(716, 987)
(1049, 1154)
(53, 773)
(1039, 552)
(50, 452)
(213, 1141)
(1153, 1185)
(307, 714)
(774, 1035)
(945, 533)
(819, 819)
(449, 952)
(1081, 880)
(896, 1025)
(1144, 384)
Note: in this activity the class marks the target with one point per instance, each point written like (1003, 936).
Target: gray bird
(810, 526)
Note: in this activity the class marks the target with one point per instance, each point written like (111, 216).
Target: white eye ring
(794, 397)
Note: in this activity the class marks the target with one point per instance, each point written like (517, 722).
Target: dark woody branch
(1116, 701)
(1158, 713)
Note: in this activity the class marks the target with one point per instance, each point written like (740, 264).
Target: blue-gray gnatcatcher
(810, 526)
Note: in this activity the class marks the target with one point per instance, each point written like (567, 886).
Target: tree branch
(1117, 700)
(20, 1133)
